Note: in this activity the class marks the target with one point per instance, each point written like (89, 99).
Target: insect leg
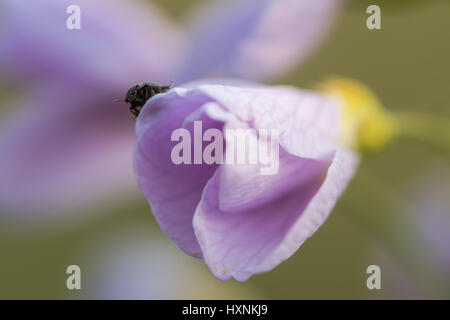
(134, 110)
(167, 88)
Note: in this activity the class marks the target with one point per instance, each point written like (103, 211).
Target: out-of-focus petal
(134, 263)
(63, 158)
(429, 211)
(402, 285)
(118, 40)
(72, 145)
(256, 39)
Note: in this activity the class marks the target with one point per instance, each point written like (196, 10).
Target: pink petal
(117, 40)
(63, 158)
(313, 118)
(256, 39)
(70, 145)
(241, 243)
(258, 212)
(173, 191)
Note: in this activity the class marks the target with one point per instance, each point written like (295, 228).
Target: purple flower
(238, 220)
(429, 213)
(68, 145)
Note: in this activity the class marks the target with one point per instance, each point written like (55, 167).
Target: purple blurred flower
(239, 221)
(255, 39)
(69, 145)
(423, 235)
(429, 212)
(132, 263)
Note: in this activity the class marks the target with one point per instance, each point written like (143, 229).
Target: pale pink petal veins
(238, 237)
(311, 116)
(256, 39)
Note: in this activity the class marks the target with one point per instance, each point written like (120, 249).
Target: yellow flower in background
(367, 125)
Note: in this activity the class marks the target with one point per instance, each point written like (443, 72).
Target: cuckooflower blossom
(68, 145)
(240, 221)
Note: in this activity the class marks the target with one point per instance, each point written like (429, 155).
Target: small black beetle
(139, 94)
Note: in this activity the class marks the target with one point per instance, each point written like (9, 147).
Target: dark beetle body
(139, 94)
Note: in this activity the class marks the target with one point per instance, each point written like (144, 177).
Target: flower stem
(432, 130)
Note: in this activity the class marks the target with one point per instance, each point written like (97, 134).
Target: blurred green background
(407, 64)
